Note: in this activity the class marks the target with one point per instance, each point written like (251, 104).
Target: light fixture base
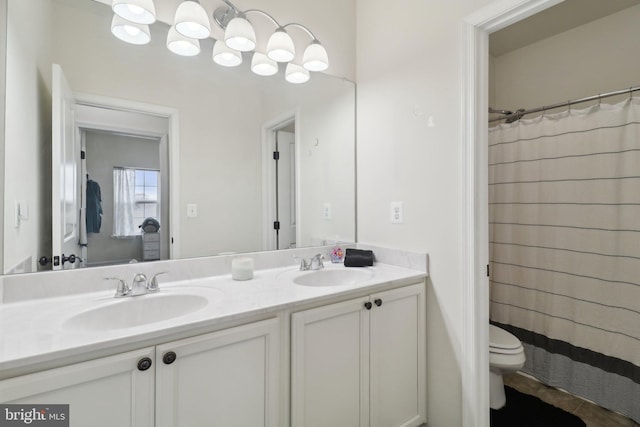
(223, 15)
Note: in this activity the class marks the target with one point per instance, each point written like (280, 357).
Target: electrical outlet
(192, 210)
(326, 211)
(397, 212)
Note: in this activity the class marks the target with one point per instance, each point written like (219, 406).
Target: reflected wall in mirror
(219, 167)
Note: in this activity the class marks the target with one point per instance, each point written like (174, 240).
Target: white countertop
(36, 332)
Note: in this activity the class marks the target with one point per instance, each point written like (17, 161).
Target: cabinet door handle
(368, 305)
(144, 364)
(378, 302)
(169, 357)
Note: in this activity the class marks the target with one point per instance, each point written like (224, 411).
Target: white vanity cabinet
(226, 378)
(361, 362)
(112, 391)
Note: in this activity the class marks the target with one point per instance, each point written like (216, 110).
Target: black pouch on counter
(358, 258)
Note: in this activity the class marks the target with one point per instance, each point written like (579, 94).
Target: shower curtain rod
(511, 117)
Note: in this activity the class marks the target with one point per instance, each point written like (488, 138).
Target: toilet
(506, 354)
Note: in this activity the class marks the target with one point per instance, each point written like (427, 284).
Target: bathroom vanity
(288, 348)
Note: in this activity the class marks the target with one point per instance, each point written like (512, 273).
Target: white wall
(409, 70)
(594, 58)
(27, 132)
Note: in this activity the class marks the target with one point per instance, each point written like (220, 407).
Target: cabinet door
(330, 366)
(227, 378)
(105, 392)
(397, 357)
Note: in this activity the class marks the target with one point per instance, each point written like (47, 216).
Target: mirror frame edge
(3, 83)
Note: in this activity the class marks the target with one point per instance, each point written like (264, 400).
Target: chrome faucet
(139, 286)
(314, 263)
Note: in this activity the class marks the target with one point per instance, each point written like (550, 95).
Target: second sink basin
(333, 277)
(129, 312)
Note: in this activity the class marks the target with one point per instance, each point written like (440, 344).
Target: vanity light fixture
(130, 32)
(225, 56)
(192, 21)
(136, 11)
(262, 65)
(181, 45)
(280, 47)
(240, 35)
(192, 24)
(296, 74)
(315, 57)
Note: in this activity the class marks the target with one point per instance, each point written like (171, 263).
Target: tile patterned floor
(593, 415)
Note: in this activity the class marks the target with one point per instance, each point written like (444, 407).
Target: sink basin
(129, 312)
(333, 277)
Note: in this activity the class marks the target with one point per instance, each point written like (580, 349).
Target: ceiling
(554, 20)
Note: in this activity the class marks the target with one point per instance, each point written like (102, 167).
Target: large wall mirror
(194, 141)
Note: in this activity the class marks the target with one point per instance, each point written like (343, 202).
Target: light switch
(397, 212)
(192, 210)
(326, 211)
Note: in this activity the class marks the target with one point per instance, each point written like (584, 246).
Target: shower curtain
(564, 213)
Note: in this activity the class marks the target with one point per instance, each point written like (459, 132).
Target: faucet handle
(317, 261)
(123, 289)
(153, 283)
(304, 264)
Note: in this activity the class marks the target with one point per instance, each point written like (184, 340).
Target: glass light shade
(240, 35)
(181, 45)
(280, 46)
(315, 57)
(130, 32)
(192, 20)
(225, 56)
(296, 74)
(138, 11)
(263, 65)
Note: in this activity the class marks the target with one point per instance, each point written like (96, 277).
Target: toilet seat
(503, 342)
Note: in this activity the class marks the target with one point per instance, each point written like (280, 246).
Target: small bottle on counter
(242, 268)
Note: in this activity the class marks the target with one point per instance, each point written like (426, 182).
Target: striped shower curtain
(564, 193)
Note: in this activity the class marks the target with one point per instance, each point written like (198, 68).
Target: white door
(228, 378)
(65, 173)
(330, 366)
(112, 391)
(398, 360)
(286, 183)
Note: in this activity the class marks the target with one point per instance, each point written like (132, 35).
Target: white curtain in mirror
(123, 202)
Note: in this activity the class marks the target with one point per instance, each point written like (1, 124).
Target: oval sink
(129, 312)
(333, 277)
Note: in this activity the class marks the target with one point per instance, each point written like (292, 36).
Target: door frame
(172, 151)
(269, 128)
(475, 202)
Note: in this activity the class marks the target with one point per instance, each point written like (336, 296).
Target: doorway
(126, 160)
(475, 204)
(115, 236)
(280, 184)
